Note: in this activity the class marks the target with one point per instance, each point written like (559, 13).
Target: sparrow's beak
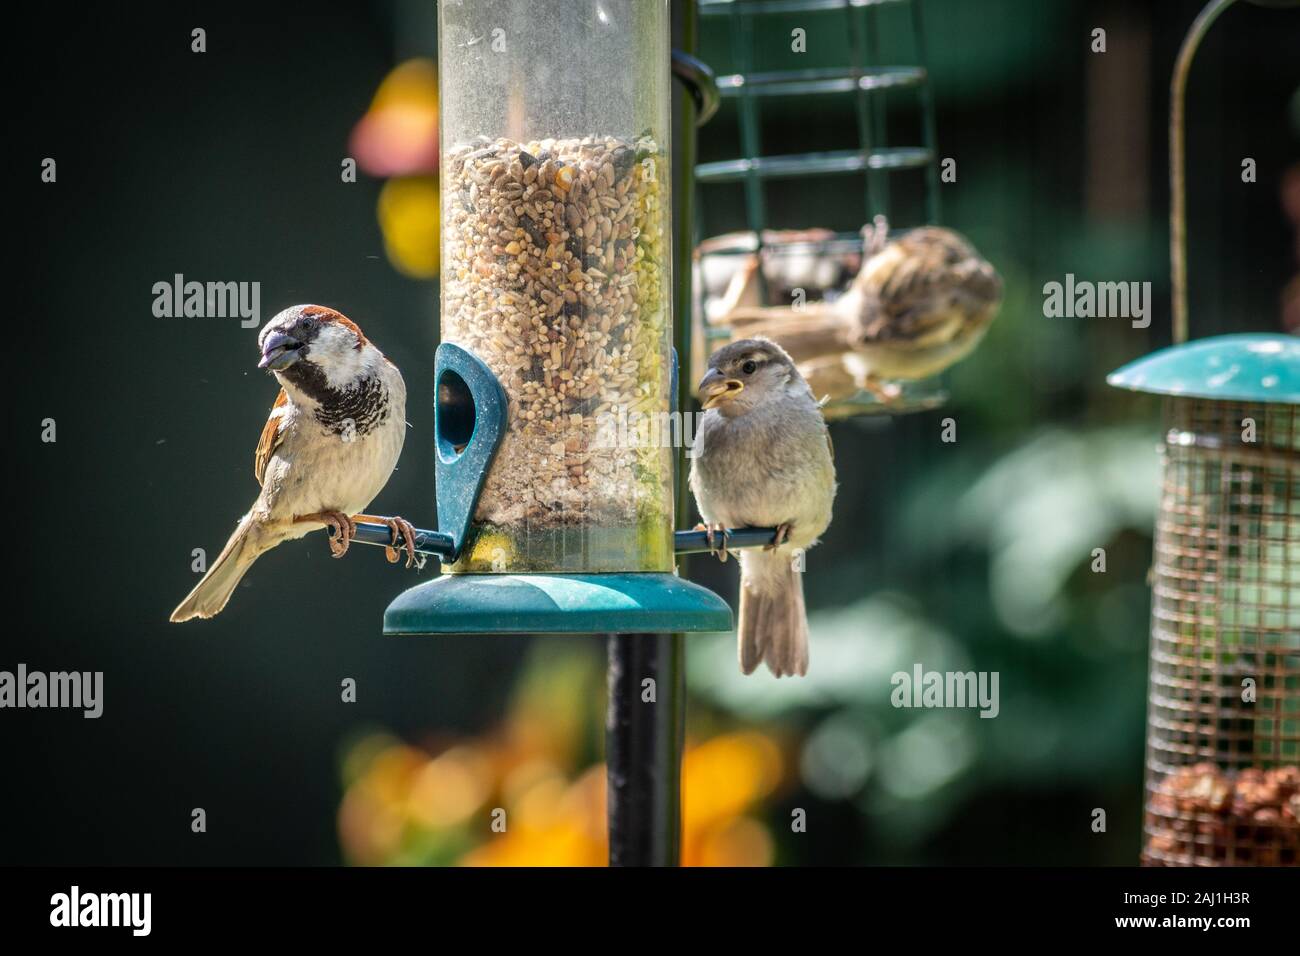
(279, 351)
(715, 389)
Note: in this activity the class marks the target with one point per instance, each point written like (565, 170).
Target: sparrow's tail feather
(773, 622)
(211, 594)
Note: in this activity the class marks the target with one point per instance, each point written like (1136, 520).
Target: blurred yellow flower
(723, 778)
(409, 214)
(725, 775)
(398, 139)
(403, 805)
(449, 789)
(555, 824)
(740, 842)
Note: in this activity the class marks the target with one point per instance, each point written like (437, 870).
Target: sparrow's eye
(749, 368)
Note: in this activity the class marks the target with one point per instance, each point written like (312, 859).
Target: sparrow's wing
(816, 330)
(272, 433)
(933, 284)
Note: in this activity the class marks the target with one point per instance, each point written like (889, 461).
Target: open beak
(279, 351)
(716, 389)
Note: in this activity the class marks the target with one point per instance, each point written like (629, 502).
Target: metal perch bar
(433, 543)
(439, 545)
(696, 542)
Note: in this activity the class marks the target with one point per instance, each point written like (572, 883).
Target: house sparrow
(332, 440)
(920, 303)
(762, 457)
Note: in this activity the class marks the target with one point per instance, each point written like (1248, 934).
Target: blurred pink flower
(398, 136)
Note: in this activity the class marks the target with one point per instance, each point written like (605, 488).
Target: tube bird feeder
(556, 326)
(556, 508)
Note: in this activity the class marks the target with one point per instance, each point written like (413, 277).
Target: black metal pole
(643, 733)
(645, 725)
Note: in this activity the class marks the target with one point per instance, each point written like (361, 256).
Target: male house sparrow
(920, 303)
(332, 440)
(762, 456)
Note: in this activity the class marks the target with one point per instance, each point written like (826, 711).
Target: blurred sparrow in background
(919, 304)
(332, 441)
(726, 268)
(763, 458)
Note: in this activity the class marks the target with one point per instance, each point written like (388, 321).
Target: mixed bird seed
(555, 275)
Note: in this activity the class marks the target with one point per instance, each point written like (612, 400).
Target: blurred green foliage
(978, 555)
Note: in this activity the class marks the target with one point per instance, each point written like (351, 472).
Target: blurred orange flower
(722, 779)
(517, 797)
(409, 217)
(398, 138)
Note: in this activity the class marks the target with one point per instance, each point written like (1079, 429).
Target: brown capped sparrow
(332, 441)
(762, 457)
(920, 303)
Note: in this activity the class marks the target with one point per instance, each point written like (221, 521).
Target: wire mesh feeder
(1223, 705)
(815, 261)
(1223, 783)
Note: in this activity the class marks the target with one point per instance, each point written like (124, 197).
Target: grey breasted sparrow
(334, 435)
(762, 457)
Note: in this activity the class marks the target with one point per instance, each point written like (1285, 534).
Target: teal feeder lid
(1252, 367)
(617, 603)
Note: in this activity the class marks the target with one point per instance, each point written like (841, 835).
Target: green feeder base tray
(616, 603)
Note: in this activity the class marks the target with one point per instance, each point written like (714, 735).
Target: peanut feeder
(1223, 705)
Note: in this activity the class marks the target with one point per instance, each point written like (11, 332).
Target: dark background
(225, 166)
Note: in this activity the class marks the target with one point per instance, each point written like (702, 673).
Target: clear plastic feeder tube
(556, 252)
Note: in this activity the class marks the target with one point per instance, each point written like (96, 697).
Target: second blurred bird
(919, 304)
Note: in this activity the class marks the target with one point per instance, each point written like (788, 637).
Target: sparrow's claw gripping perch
(710, 530)
(781, 537)
(342, 529)
(403, 534)
(403, 539)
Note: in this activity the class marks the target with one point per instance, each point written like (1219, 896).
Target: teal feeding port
(469, 422)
